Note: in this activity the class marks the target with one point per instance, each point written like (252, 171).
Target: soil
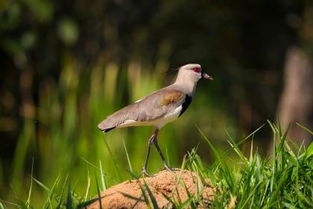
(166, 184)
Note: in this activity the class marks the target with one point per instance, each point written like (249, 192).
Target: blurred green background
(66, 65)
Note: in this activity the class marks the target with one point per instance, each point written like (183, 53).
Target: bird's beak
(206, 76)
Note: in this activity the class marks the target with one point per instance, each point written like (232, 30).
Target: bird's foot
(166, 167)
(144, 172)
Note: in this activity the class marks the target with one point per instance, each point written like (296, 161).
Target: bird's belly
(167, 118)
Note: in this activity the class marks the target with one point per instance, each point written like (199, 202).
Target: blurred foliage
(65, 65)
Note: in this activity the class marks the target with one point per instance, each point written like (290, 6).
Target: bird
(158, 108)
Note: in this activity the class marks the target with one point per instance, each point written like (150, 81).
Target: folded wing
(145, 111)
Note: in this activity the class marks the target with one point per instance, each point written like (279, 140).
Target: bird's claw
(145, 173)
(170, 169)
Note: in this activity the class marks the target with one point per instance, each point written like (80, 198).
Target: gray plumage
(146, 111)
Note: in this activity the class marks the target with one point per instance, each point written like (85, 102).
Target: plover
(158, 108)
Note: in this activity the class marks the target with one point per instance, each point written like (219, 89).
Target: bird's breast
(169, 117)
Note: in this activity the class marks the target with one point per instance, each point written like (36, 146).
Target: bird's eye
(196, 69)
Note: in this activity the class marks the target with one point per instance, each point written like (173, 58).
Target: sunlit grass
(285, 180)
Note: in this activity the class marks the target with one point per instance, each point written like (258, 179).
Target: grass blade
(128, 159)
(152, 198)
(69, 199)
(104, 187)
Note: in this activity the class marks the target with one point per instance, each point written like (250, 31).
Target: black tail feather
(107, 129)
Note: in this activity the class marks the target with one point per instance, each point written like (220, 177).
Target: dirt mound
(175, 185)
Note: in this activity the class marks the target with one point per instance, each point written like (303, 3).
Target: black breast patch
(185, 104)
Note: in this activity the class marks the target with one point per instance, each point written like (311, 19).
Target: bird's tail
(116, 119)
(105, 126)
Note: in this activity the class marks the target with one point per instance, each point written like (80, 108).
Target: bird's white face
(196, 72)
(193, 72)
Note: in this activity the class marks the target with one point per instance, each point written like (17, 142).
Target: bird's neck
(187, 86)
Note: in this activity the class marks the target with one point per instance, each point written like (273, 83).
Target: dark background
(259, 52)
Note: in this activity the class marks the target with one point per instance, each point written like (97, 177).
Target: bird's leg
(166, 166)
(150, 142)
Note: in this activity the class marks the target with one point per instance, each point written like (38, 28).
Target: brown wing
(150, 108)
(170, 97)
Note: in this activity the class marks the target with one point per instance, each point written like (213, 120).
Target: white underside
(159, 123)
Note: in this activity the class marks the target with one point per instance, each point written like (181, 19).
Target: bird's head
(192, 72)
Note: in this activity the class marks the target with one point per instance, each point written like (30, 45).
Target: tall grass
(285, 180)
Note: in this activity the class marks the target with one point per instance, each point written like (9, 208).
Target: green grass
(284, 180)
